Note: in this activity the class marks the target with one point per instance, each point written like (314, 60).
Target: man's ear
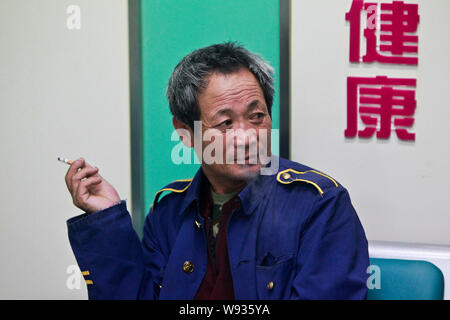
(184, 131)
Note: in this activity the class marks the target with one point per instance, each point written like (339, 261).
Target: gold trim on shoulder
(171, 189)
(289, 179)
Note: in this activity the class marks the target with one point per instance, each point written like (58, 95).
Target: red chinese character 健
(396, 37)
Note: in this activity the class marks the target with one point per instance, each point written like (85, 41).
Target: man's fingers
(89, 182)
(80, 176)
(77, 164)
(84, 173)
(82, 193)
(75, 167)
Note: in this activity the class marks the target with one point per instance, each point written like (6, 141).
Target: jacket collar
(250, 196)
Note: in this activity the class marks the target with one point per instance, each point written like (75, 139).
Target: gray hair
(189, 77)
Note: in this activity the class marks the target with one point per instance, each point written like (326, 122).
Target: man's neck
(224, 186)
(220, 187)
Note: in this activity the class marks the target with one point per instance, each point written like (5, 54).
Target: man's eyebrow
(225, 111)
(252, 105)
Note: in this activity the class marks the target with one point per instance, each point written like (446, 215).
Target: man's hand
(90, 192)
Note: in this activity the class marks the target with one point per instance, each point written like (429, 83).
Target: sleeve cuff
(103, 217)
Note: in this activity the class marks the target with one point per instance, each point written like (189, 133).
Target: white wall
(62, 93)
(400, 190)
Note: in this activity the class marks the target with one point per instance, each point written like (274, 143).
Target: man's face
(233, 109)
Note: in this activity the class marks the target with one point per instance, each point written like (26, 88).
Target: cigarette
(69, 162)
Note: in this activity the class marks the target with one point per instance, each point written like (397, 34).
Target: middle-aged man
(234, 231)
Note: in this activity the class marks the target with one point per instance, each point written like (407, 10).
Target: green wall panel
(170, 29)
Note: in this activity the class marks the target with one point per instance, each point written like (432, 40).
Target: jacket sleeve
(333, 256)
(111, 256)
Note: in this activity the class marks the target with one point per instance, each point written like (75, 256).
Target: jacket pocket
(272, 281)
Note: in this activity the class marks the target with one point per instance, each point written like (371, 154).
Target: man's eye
(225, 123)
(257, 116)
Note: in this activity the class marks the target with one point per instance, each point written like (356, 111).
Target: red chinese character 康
(380, 102)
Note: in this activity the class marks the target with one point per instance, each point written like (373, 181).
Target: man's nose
(245, 135)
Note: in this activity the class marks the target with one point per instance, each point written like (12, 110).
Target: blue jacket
(295, 236)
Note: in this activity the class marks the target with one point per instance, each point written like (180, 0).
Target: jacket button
(270, 285)
(188, 267)
(286, 176)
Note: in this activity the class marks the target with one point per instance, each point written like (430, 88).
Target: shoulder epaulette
(177, 186)
(319, 180)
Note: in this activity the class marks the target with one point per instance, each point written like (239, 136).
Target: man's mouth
(247, 159)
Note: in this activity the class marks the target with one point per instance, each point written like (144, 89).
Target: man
(234, 231)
